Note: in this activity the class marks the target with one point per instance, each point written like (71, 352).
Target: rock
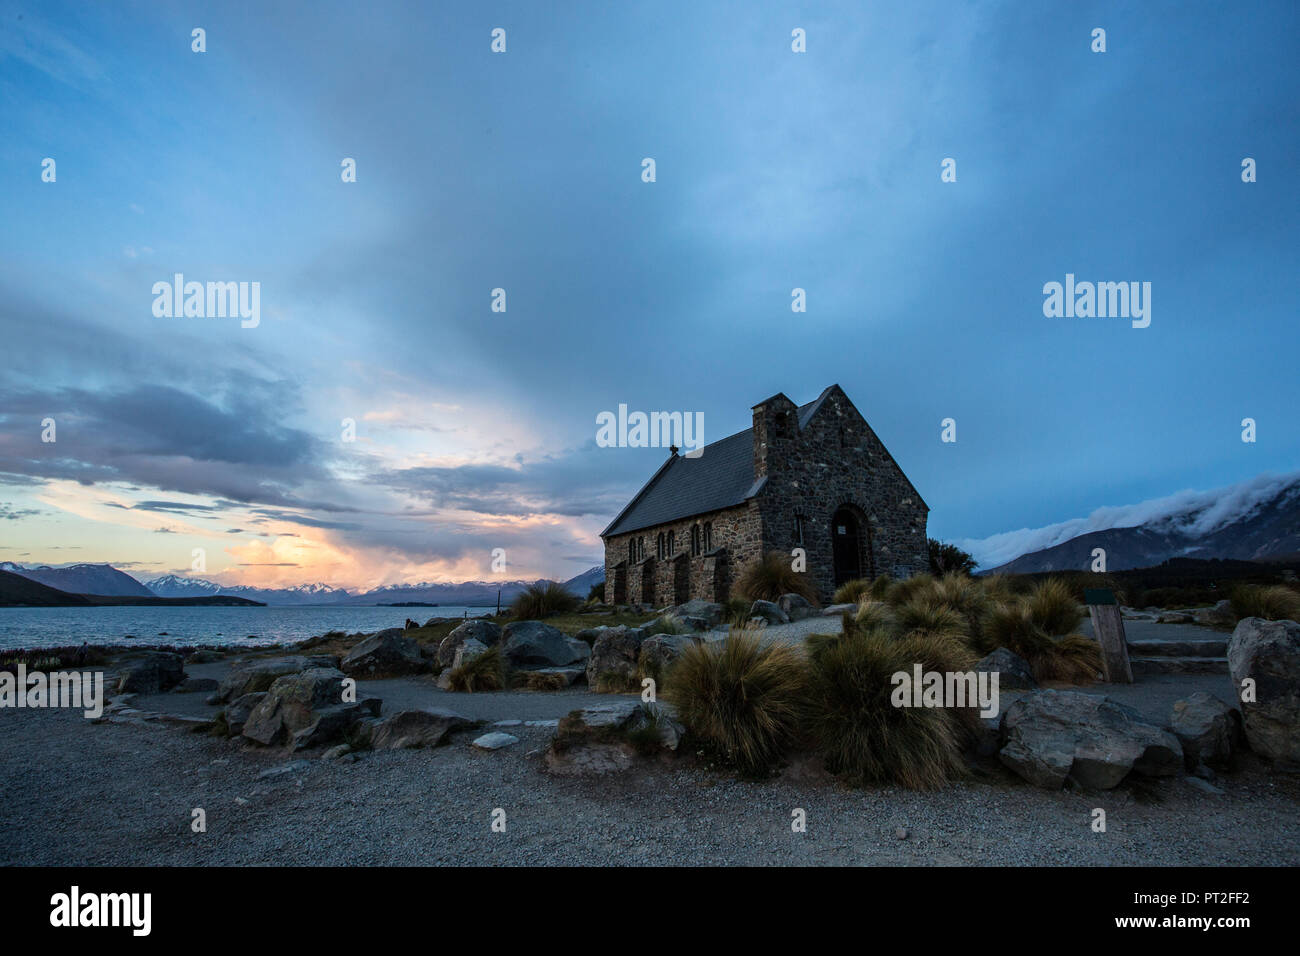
(769, 612)
(1207, 728)
(195, 685)
(535, 644)
(469, 650)
(1202, 785)
(570, 675)
(900, 833)
(296, 766)
(1175, 617)
(1218, 616)
(595, 740)
(1013, 670)
(495, 741)
(707, 611)
(386, 652)
(205, 656)
(415, 728)
(338, 750)
(485, 632)
(252, 677)
(1268, 652)
(237, 711)
(1051, 735)
(305, 709)
(835, 610)
(152, 674)
(614, 657)
(660, 651)
(795, 607)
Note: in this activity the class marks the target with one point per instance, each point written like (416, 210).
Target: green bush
(741, 701)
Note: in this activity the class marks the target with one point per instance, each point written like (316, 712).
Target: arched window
(695, 540)
(708, 536)
(672, 543)
(659, 546)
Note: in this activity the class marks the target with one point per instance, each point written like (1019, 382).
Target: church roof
(721, 477)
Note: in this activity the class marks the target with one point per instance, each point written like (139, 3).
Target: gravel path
(73, 792)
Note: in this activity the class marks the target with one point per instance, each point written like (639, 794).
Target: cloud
(1192, 512)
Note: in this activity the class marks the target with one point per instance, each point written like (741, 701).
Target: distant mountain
(1254, 521)
(83, 579)
(173, 585)
(584, 582)
(16, 590)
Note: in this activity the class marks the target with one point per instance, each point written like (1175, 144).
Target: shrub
(925, 614)
(851, 592)
(880, 587)
(543, 600)
(736, 612)
(900, 592)
(485, 672)
(860, 733)
(740, 700)
(597, 593)
(1075, 658)
(536, 681)
(665, 624)
(1273, 603)
(1053, 608)
(874, 614)
(946, 558)
(771, 576)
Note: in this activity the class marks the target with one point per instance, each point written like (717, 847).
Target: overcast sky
(522, 170)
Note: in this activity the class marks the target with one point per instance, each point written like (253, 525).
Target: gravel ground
(74, 792)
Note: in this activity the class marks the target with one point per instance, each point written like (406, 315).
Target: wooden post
(1108, 629)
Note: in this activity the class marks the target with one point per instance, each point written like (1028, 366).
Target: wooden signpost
(1108, 628)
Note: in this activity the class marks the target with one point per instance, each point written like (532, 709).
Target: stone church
(809, 476)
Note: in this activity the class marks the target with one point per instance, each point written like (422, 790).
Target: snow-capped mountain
(173, 585)
(1250, 521)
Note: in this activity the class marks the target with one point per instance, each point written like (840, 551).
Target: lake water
(33, 627)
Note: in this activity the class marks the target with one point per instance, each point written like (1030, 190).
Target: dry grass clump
(485, 672)
(851, 592)
(743, 701)
(1275, 602)
(771, 576)
(543, 600)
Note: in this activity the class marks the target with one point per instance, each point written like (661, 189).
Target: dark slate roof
(721, 477)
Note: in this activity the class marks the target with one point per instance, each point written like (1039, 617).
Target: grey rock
(195, 685)
(485, 632)
(338, 750)
(769, 612)
(295, 766)
(571, 674)
(1268, 652)
(661, 651)
(1013, 670)
(707, 611)
(1207, 728)
(1051, 735)
(495, 741)
(237, 711)
(416, 728)
(535, 644)
(305, 709)
(1202, 785)
(835, 610)
(795, 607)
(614, 657)
(386, 652)
(256, 676)
(152, 674)
(468, 650)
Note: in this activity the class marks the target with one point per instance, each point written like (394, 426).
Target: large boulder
(1052, 735)
(1268, 653)
(597, 740)
(614, 658)
(386, 652)
(305, 709)
(252, 677)
(414, 728)
(237, 711)
(529, 644)
(485, 632)
(1014, 672)
(707, 611)
(1207, 728)
(1221, 615)
(795, 606)
(152, 674)
(769, 612)
(660, 651)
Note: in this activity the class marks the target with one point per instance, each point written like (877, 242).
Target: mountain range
(1258, 520)
(103, 579)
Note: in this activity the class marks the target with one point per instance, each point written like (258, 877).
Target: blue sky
(522, 170)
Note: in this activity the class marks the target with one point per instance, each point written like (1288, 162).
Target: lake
(237, 626)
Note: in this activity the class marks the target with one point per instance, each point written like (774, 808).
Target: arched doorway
(850, 546)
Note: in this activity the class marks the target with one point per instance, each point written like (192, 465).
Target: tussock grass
(851, 592)
(872, 614)
(543, 600)
(925, 614)
(859, 732)
(740, 700)
(485, 672)
(771, 576)
(1273, 603)
(666, 624)
(1053, 608)
(535, 681)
